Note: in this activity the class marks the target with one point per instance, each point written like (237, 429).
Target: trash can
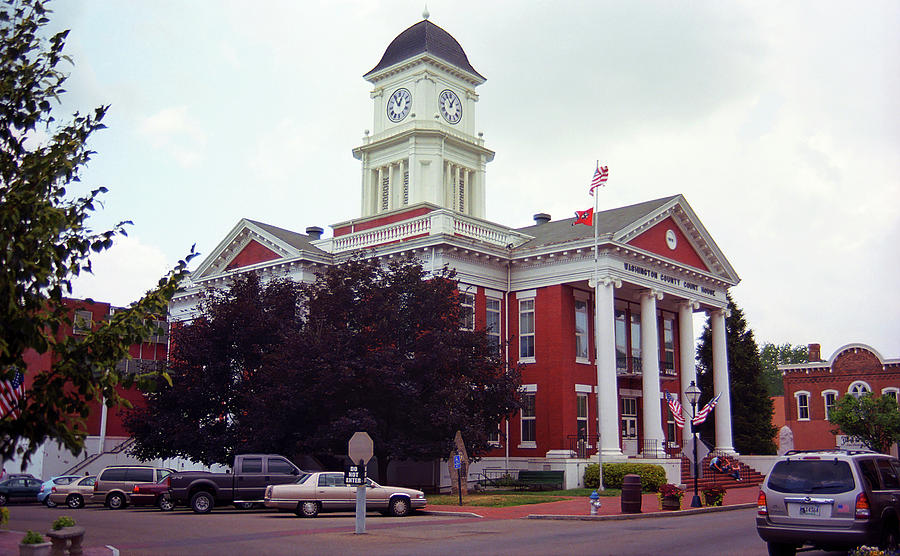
(631, 494)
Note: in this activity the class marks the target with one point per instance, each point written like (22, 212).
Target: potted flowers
(714, 495)
(33, 544)
(670, 497)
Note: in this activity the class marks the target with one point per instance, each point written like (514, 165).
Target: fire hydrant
(595, 502)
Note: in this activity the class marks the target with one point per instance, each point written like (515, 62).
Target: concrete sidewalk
(579, 508)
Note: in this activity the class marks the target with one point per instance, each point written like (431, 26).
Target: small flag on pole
(601, 174)
(10, 392)
(584, 217)
(676, 409)
(704, 413)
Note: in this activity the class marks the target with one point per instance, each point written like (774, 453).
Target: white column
(652, 414)
(379, 194)
(687, 365)
(721, 383)
(607, 385)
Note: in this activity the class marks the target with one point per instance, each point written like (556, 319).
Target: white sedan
(326, 491)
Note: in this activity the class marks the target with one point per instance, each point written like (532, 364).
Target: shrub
(4, 516)
(63, 521)
(32, 537)
(652, 476)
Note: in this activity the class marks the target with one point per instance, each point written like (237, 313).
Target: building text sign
(671, 280)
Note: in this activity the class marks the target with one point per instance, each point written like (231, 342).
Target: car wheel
(165, 504)
(2, 499)
(50, 503)
(74, 501)
(307, 509)
(778, 549)
(400, 507)
(202, 502)
(890, 539)
(115, 501)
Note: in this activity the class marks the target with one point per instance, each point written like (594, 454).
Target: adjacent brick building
(811, 389)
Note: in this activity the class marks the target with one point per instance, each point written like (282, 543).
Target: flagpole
(596, 329)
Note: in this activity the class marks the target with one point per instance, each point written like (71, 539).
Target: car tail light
(96, 484)
(53, 489)
(761, 507)
(136, 489)
(42, 488)
(862, 506)
(169, 481)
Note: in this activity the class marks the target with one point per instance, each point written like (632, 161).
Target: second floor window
(83, 322)
(467, 311)
(581, 329)
(492, 321)
(830, 398)
(526, 328)
(803, 407)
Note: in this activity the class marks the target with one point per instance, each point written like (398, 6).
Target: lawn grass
(505, 498)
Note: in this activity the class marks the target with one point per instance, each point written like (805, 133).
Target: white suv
(830, 499)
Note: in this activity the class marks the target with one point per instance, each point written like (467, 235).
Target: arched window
(858, 389)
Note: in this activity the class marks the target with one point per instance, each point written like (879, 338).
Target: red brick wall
(254, 252)
(654, 240)
(855, 364)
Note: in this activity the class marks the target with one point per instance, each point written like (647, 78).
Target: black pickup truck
(243, 487)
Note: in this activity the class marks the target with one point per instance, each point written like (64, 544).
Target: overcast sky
(778, 121)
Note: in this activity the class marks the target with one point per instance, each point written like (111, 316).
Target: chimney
(314, 232)
(815, 352)
(541, 218)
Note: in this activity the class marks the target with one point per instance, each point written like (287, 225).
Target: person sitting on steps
(722, 465)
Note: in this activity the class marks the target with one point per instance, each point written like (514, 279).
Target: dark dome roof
(425, 36)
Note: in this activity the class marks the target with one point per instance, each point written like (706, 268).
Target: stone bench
(62, 538)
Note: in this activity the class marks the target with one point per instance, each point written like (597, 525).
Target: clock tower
(423, 146)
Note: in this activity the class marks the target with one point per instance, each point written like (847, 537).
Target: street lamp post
(693, 396)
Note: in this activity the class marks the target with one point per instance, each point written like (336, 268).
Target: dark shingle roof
(425, 36)
(609, 222)
(299, 241)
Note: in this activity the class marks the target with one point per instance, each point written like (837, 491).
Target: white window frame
(802, 394)
(494, 436)
(891, 390)
(83, 322)
(858, 385)
(583, 339)
(488, 310)
(528, 390)
(527, 297)
(467, 310)
(829, 408)
(630, 417)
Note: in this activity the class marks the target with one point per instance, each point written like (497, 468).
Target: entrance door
(629, 427)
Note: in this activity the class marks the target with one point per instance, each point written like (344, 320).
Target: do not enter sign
(360, 447)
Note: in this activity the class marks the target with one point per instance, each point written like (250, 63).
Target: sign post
(360, 450)
(457, 463)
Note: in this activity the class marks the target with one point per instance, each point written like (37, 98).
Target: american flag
(10, 392)
(676, 408)
(704, 413)
(601, 174)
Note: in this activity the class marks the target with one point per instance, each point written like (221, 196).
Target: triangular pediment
(252, 244)
(673, 231)
(667, 239)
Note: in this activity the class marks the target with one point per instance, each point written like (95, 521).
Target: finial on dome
(425, 14)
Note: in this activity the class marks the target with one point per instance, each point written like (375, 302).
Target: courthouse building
(599, 342)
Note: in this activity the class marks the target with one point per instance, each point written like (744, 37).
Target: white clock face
(671, 239)
(451, 108)
(398, 105)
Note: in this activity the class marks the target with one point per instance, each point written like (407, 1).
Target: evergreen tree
(751, 408)
(772, 355)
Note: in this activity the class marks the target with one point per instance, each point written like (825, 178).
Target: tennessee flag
(584, 217)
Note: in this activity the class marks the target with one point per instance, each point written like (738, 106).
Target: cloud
(123, 273)
(175, 132)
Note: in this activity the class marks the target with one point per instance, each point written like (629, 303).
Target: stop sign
(360, 447)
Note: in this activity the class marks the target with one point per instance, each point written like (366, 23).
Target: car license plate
(809, 509)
